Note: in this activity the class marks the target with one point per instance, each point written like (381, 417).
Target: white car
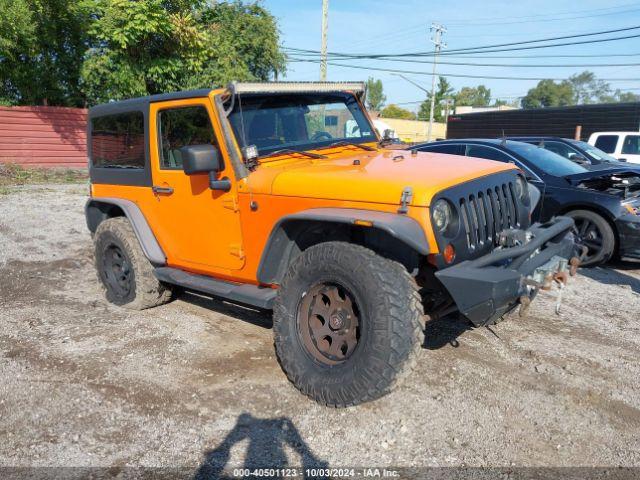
(625, 146)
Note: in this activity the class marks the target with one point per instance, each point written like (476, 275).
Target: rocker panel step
(237, 292)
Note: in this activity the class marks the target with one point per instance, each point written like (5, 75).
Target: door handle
(162, 190)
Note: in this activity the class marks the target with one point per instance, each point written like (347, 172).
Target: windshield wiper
(291, 150)
(353, 144)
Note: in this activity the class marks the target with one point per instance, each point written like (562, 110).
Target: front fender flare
(281, 241)
(95, 213)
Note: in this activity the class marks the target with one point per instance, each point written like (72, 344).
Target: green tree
(394, 111)
(443, 91)
(549, 94)
(626, 96)
(375, 95)
(77, 52)
(154, 46)
(479, 96)
(588, 89)
(42, 43)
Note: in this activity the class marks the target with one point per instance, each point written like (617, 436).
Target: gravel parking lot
(195, 383)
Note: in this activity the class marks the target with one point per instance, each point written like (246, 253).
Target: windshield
(549, 162)
(594, 153)
(298, 121)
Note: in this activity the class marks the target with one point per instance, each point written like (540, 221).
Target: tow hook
(525, 303)
(557, 271)
(561, 277)
(574, 264)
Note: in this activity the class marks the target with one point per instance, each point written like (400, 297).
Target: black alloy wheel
(328, 323)
(595, 233)
(117, 271)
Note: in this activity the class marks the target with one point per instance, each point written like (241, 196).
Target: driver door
(198, 228)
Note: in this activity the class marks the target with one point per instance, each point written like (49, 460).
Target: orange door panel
(198, 228)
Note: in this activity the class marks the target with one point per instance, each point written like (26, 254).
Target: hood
(375, 177)
(623, 181)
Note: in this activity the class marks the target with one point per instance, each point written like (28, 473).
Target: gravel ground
(196, 383)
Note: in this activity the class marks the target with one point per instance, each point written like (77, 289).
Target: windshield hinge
(405, 200)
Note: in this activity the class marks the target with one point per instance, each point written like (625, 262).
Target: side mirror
(200, 159)
(577, 158)
(204, 159)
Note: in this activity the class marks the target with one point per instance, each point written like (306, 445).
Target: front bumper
(628, 227)
(486, 288)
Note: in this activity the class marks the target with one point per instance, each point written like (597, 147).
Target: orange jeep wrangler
(282, 196)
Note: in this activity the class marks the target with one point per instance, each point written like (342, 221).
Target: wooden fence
(43, 136)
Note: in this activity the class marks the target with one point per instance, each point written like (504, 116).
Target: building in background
(43, 136)
(467, 109)
(577, 122)
(409, 131)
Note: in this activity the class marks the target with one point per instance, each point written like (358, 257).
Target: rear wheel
(594, 232)
(125, 274)
(347, 324)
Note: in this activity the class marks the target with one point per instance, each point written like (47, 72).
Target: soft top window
(117, 141)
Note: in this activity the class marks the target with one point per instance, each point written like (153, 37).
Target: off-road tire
(145, 290)
(390, 316)
(605, 235)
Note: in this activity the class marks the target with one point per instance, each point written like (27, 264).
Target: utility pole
(323, 48)
(439, 44)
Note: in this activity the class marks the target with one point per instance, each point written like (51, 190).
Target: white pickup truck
(625, 146)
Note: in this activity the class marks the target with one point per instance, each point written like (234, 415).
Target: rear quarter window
(607, 143)
(451, 149)
(489, 153)
(117, 141)
(631, 145)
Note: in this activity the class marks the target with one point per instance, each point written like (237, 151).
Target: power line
(519, 22)
(578, 55)
(500, 21)
(488, 77)
(491, 48)
(575, 55)
(549, 39)
(508, 65)
(546, 16)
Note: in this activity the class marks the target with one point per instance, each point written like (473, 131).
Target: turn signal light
(363, 223)
(449, 253)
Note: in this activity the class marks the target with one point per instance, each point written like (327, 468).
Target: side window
(560, 148)
(117, 141)
(607, 143)
(444, 148)
(631, 145)
(179, 127)
(489, 153)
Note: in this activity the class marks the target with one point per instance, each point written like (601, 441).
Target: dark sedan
(575, 150)
(604, 203)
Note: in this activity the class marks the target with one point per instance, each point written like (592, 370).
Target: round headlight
(442, 214)
(522, 189)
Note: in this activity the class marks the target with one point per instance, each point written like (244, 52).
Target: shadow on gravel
(259, 318)
(266, 450)
(444, 331)
(609, 276)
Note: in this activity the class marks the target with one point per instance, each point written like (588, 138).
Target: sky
(383, 26)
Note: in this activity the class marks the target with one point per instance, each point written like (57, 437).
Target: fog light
(449, 253)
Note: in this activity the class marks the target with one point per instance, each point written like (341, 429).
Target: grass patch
(12, 175)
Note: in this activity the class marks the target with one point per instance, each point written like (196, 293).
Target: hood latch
(405, 200)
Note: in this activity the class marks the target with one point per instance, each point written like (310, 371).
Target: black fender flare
(281, 241)
(96, 210)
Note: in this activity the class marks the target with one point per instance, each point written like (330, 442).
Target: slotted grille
(488, 212)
